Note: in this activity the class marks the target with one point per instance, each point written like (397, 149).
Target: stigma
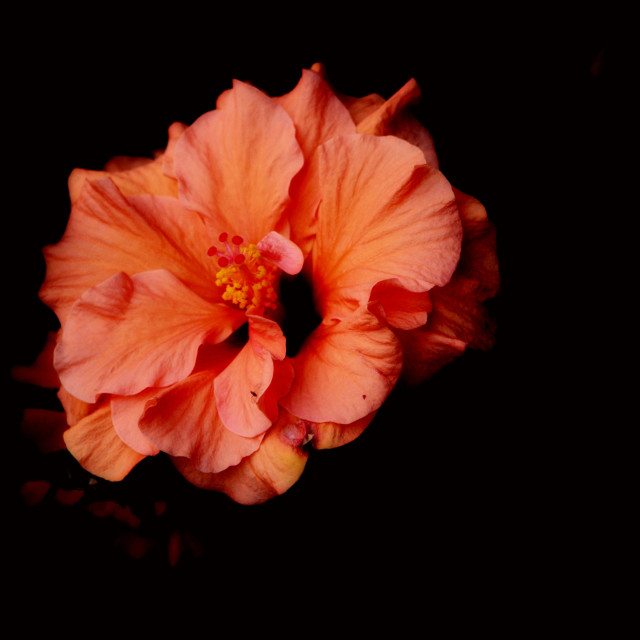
(249, 280)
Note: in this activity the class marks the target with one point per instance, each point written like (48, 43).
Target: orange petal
(479, 259)
(316, 111)
(426, 352)
(240, 387)
(108, 233)
(74, 408)
(458, 318)
(384, 215)
(329, 435)
(134, 176)
(126, 412)
(392, 117)
(344, 370)
(130, 333)
(318, 115)
(400, 308)
(270, 471)
(235, 164)
(94, 443)
(183, 421)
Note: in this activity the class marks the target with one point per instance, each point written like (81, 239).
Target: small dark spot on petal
(254, 394)
(364, 396)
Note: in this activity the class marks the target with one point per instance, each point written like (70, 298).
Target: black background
(460, 492)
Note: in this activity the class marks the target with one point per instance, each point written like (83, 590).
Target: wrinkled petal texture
(183, 421)
(108, 233)
(97, 447)
(235, 164)
(345, 370)
(130, 333)
(240, 387)
(384, 215)
(459, 317)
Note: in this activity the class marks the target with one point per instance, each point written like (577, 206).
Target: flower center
(248, 279)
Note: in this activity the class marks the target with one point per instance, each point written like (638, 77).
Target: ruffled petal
(318, 115)
(126, 412)
(240, 387)
(398, 307)
(316, 111)
(183, 421)
(384, 215)
(392, 117)
(108, 233)
(344, 370)
(133, 176)
(74, 408)
(94, 443)
(459, 317)
(235, 164)
(130, 333)
(273, 469)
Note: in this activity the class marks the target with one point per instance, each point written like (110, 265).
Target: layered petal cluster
(167, 279)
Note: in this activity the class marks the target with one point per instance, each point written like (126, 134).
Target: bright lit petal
(184, 422)
(94, 443)
(240, 387)
(384, 215)
(108, 233)
(126, 412)
(235, 164)
(130, 333)
(345, 370)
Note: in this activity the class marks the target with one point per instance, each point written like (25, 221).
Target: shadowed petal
(392, 117)
(384, 215)
(402, 309)
(94, 443)
(235, 164)
(345, 370)
(130, 333)
(329, 435)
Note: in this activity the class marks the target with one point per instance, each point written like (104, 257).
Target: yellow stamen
(251, 284)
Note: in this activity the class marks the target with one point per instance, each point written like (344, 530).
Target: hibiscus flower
(167, 284)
